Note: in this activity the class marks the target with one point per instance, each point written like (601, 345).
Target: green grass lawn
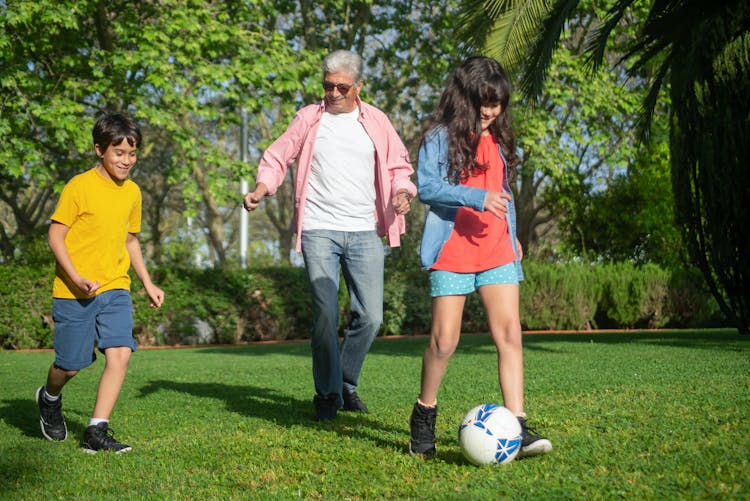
(636, 415)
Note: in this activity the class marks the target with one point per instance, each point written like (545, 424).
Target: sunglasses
(342, 88)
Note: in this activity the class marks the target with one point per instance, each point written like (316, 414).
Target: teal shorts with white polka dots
(448, 283)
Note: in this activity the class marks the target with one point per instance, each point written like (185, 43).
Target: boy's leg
(115, 340)
(110, 384)
(51, 419)
(49, 401)
(99, 436)
(56, 379)
(74, 348)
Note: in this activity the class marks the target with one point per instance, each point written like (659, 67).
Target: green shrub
(26, 313)
(635, 296)
(406, 302)
(238, 306)
(690, 302)
(190, 296)
(560, 296)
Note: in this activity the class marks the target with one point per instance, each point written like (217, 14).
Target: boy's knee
(119, 354)
(68, 373)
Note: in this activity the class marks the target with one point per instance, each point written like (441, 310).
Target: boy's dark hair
(112, 128)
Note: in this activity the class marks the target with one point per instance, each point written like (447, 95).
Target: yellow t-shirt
(99, 215)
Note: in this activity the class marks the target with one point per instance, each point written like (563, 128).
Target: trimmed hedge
(215, 306)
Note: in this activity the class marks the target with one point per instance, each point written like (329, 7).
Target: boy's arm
(56, 240)
(139, 266)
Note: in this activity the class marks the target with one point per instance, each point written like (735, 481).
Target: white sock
(96, 421)
(419, 401)
(49, 397)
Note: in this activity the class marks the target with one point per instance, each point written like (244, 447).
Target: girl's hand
(401, 202)
(497, 203)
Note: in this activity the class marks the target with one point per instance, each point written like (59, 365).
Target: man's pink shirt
(392, 167)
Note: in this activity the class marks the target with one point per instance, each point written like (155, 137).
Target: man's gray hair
(344, 61)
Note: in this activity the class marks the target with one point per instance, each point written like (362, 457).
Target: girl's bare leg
(446, 331)
(502, 306)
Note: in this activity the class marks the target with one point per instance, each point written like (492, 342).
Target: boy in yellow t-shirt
(93, 237)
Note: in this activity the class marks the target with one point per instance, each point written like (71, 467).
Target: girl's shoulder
(438, 133)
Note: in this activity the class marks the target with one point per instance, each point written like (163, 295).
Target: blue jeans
(360, 254)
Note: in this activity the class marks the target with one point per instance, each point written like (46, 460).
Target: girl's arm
(435, 189)
(432, 171)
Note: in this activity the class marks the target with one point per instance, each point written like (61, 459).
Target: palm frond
(476, 19)
(503, 29)
(734, 58)
(540, 57)
(650, 101)
(596, 46)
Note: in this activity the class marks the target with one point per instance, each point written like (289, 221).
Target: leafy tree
(699, 50)
(182, 68)
(633, 218)
(575, 140)
(408, 52)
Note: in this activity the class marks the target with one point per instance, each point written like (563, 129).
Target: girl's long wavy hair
(478, 81)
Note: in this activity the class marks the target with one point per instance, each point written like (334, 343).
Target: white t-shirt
(341, 187)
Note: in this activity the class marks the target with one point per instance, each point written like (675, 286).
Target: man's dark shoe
(422, 425)
(51, 418)
(353, 403)
(100, 437)
(531, 443)
(325, 408)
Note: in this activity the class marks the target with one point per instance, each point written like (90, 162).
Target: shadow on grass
(278, 408)
(710, 339)
(388, 345)
(23, 414)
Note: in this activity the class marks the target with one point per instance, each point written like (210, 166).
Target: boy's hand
(87, 286)
(155, 294)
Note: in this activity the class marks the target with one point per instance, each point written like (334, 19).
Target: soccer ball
(490, 434)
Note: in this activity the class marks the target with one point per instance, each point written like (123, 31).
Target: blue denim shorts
(448, 283)
(82, 325)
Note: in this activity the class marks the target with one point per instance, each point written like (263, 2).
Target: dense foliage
(235, 307)
(697, 51)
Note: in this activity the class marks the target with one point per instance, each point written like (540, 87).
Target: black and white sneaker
(100, 437)
(51, 417)
(532, 444)
(422, 423)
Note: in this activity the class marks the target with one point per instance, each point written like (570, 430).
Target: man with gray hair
(352, 187)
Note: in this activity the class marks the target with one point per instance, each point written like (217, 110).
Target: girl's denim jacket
(445, 198)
